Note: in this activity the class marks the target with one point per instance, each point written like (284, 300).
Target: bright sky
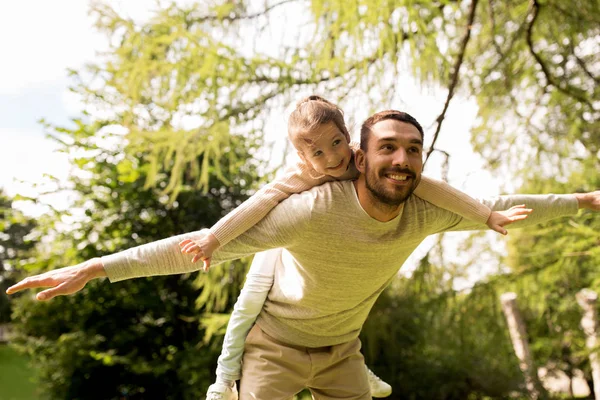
(48, 37)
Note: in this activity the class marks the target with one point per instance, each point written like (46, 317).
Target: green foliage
(15, 248)
(553, 263)
(137, 338)
(145, 338)
(440, 346)
(188, 72)
(534, 71)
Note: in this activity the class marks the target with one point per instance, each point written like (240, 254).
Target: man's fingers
(29, 283)
(523, 212)
(518, 217)
(51, 293)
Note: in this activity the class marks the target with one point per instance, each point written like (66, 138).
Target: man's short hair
(365, 130)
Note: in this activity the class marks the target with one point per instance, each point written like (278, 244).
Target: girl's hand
(202, 248)
(499, 219)
(62, 281)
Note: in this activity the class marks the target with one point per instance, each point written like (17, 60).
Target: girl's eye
(317, 153)
(336, 142)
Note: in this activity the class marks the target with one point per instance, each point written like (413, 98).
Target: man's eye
(414, 150)
(386, 147)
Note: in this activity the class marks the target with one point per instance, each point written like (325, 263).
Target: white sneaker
(218, 391)
(378, 387)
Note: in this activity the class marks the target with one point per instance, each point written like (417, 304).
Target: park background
(130, 121)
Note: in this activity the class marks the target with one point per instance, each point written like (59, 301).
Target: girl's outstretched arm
(443, 195)
(296, 179)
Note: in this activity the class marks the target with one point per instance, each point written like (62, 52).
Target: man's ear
(359, 160)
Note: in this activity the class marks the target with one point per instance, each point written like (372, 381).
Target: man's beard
(389, 197)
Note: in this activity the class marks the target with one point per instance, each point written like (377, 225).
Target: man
(344, 242)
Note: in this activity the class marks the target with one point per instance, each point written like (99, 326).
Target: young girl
(324, 156)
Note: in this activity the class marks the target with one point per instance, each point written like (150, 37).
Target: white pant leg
(249, 304)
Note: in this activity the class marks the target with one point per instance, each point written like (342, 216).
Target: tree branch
(493, 21)
(583, 66)
(207, 18)
(454, 77)
(549, 78)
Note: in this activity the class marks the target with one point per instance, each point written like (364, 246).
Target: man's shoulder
(321, 199)
(326, 191)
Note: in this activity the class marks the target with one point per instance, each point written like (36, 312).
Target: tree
(138, 338)
(14, 249)
(145, 338)
(553, 263)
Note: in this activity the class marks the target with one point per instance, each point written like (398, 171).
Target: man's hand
(202, 247)
(499, 219)
(589, 200)
(62, 281)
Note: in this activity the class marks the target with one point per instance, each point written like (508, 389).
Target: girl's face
(327, 151)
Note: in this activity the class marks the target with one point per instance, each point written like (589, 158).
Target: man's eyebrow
(395, 139)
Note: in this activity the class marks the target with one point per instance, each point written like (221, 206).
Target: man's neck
(372, 206)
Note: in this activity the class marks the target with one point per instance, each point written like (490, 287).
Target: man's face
(393, 161)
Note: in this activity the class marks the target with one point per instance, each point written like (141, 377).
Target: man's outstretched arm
(545, 208)
(164, 257)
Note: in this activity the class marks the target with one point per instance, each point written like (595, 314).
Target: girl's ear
(359, 160)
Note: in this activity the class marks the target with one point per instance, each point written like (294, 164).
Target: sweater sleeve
(296, 179)
(279, 228)
(545, 208)
(440, 194)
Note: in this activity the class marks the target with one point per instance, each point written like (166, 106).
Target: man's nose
(401, 158)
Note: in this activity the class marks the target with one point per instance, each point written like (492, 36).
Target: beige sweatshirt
(336, 259)
(301, 177)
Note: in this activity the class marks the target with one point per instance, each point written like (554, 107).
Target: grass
(16, 376)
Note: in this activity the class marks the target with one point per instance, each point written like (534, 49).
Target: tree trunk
(589, 322)
(518, 335)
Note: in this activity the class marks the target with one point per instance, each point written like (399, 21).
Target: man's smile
(399, 178)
